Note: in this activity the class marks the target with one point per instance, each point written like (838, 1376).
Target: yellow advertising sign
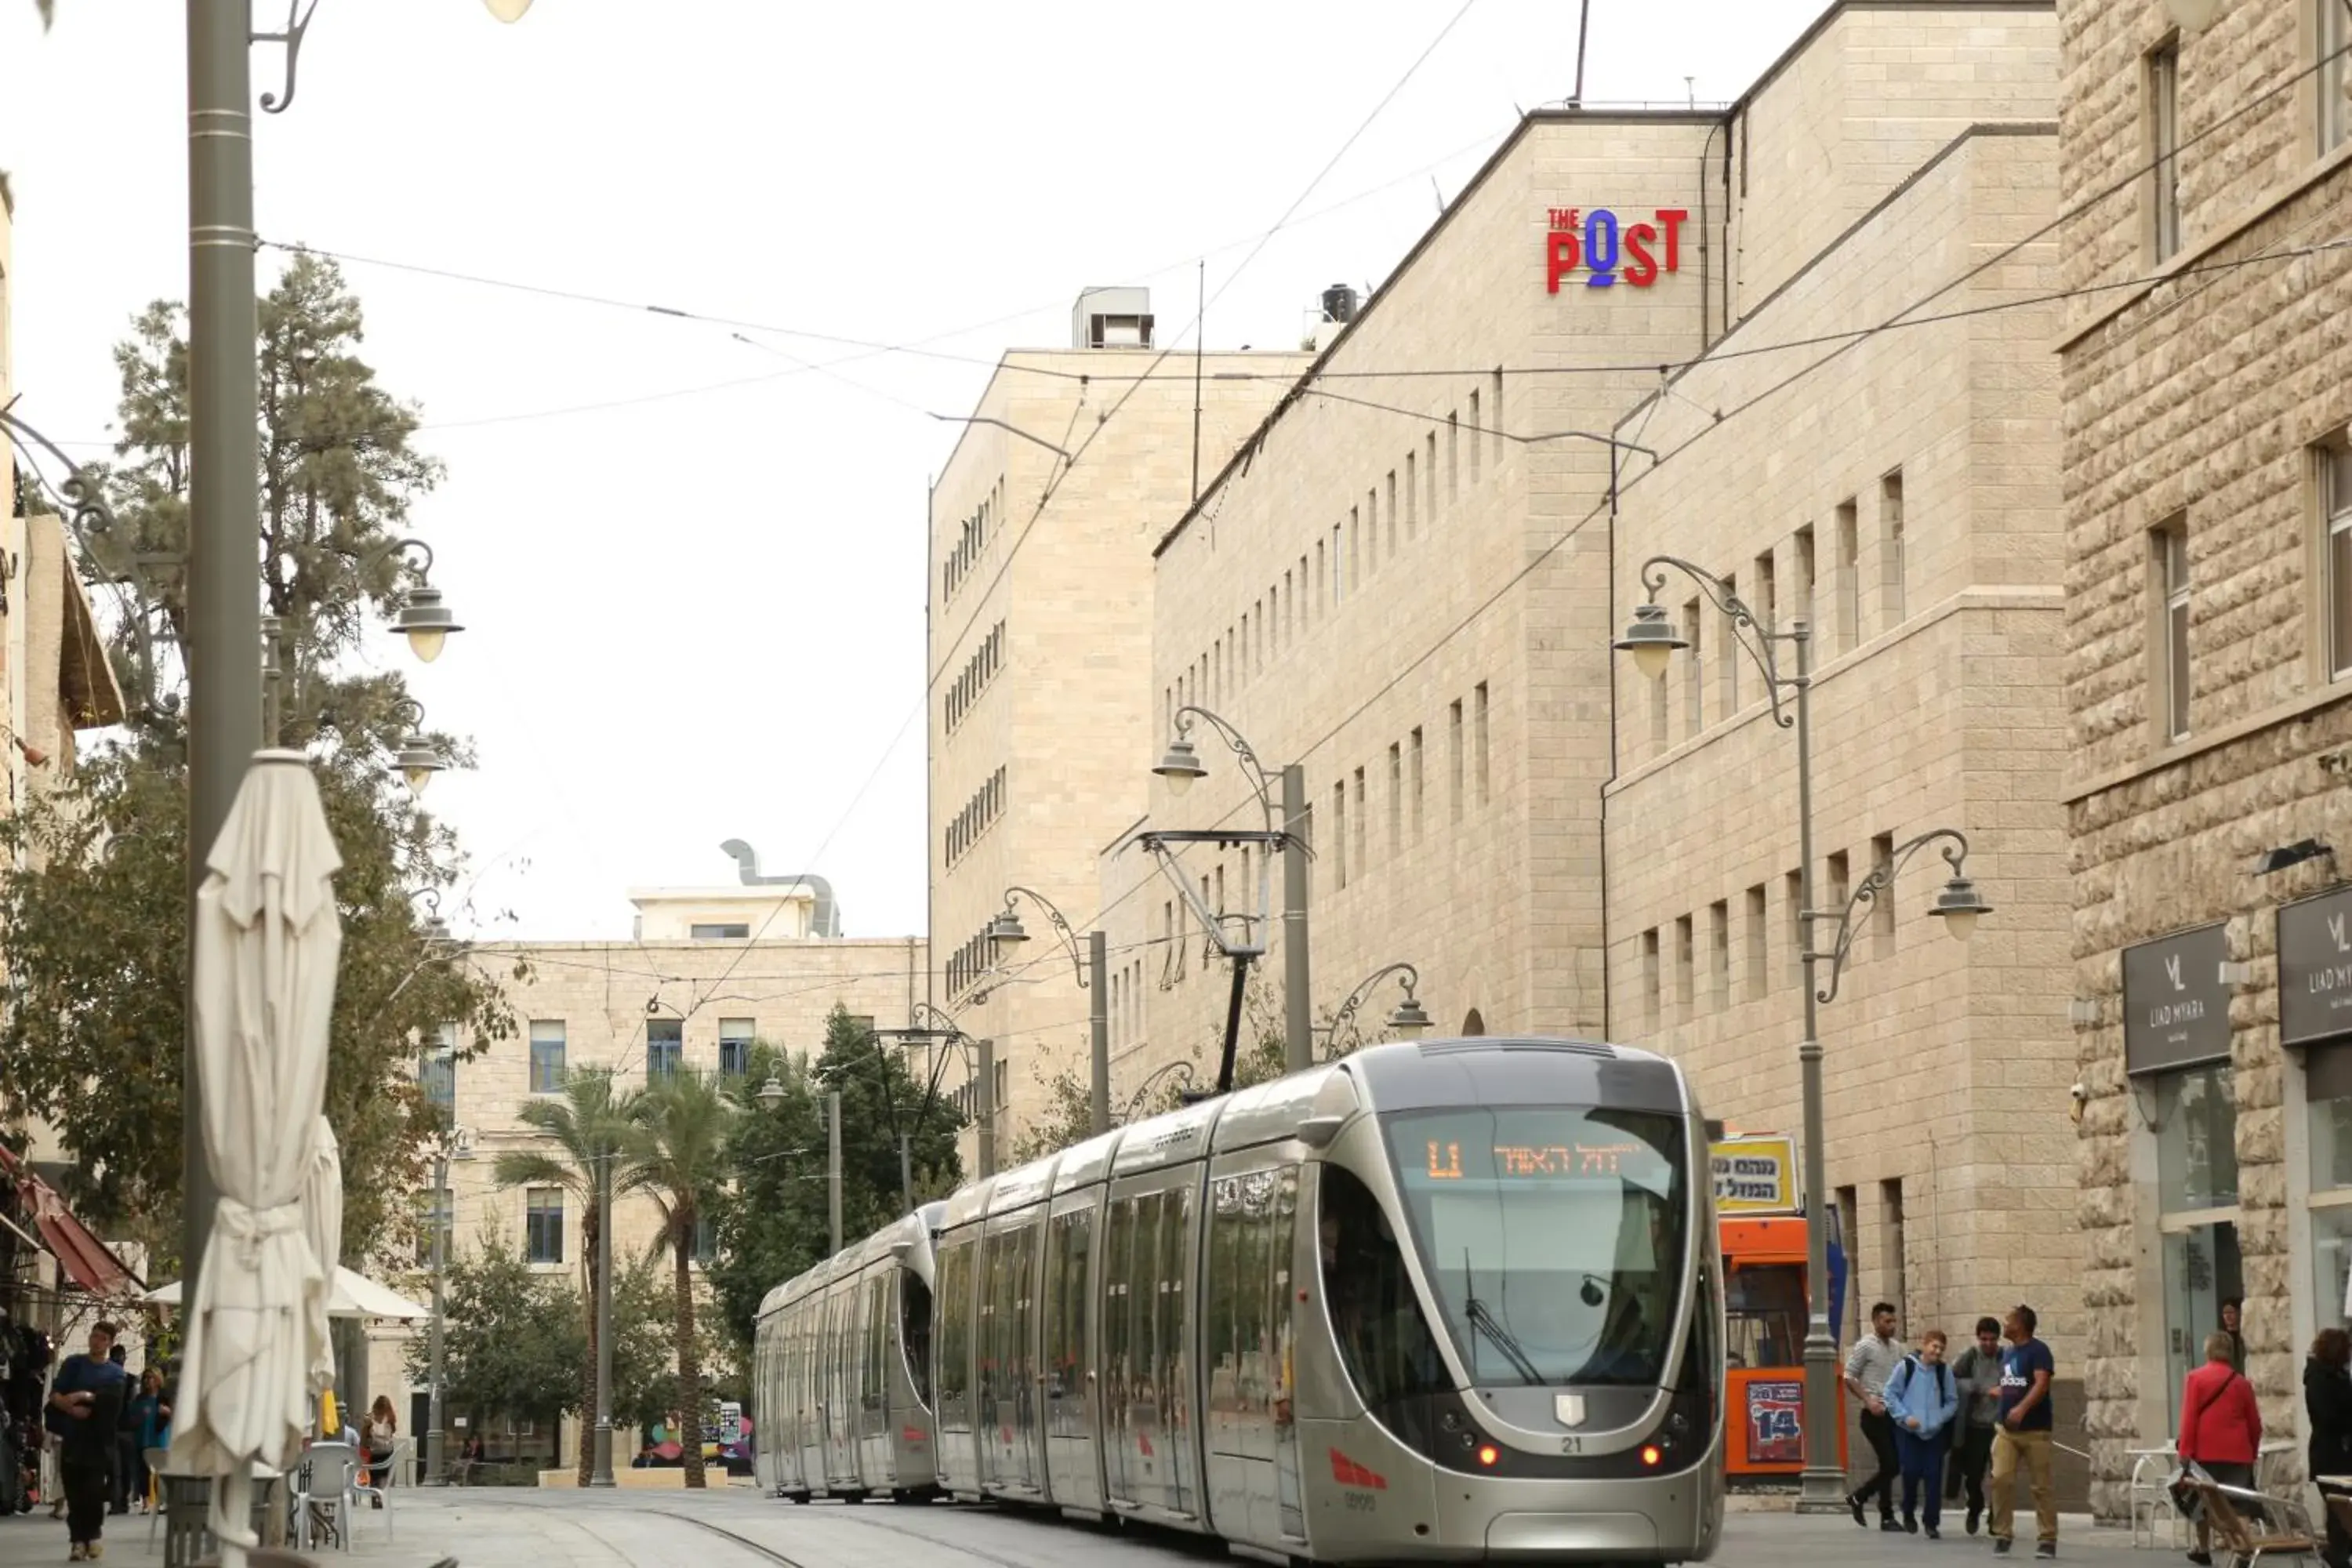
(1756, 1175)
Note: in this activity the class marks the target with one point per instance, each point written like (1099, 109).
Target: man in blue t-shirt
(85, 1408)
(2026, 1369)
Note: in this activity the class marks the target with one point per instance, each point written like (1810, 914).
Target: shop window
(2327, 1112)
(2197, 1193)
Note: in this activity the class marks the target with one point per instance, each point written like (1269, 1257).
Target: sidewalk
(486, 1525)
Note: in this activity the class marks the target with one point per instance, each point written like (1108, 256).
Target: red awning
(87, 1261)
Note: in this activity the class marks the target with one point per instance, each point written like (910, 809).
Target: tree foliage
(511, 1337)
(92, 899)
(774, 1224)
(678, 1153)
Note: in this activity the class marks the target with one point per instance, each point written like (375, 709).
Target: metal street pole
(223, 506)
(600, 1471)
(436, 1473)
(906, 1170)
(1099, 1029)
(832, 1164)
(1822, 1487)
(1298, 999)
(986, 1101)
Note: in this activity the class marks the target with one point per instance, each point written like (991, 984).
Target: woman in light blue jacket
(1922, 1399)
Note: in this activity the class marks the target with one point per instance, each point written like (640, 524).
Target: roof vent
(1111, 319)
(1340, 303)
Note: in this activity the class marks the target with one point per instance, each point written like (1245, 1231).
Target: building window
(1339, 832)
(1882, 908)
(1478, 437)
(2333, 34)
(1429, 465)
(436, 1072)
(2197, 1203)
(2335, 506)
(542, 1224)
(2164, 148)
(1890, 548)
(1792, 897)
(1362, 861)
(706, 1239)
(664, 1046)
(736, 932)
(2169, 544)
(1392, 511)
(1758, 981)
(1686, 962)
(1478, 741)
(437, 1215)
(1454, 761)
(547, 1055)
(1841, 885)
(1805, 575)
(1416, 783)
(735, 1036)
(2327, 1101)
(1762, 591)
(1653, 982)
(1729, 674)
(1718, 953)
(1849, 576)
(1494, 417)
(1452, 458)
(1396, 799)
(1694, 672)
(1412, 493)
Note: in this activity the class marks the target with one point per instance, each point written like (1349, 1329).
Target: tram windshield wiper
(1482, 1321)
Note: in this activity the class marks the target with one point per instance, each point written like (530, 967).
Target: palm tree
(592, 1120)
(679, 1154)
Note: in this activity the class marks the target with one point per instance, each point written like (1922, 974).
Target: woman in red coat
(2221, 1427)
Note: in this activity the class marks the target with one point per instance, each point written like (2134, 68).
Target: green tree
(92, 897)
(592, 1121)
(644, 1345)
(511, 1338)
(678, 1154)
(882, 1101)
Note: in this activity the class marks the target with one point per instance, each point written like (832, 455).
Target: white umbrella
(322, 1217)
(353, 1295)
(267, 941)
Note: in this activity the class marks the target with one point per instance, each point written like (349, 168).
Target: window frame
(548, 1082)
(2332, 466)
(2173, 580)
(2160, 79)
(542, 1204)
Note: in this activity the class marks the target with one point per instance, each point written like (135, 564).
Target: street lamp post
(943, 1036)
(452, 1140)
(1005, 935)
(1652, 638)
(1409, 1020)
(1180, 765)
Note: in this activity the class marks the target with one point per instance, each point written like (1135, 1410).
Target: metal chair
(2250, 1535)
(377, 1486)
(2149, 1495)
(323, 1486)
(155, 1458)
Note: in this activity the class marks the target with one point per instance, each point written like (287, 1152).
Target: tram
(1445, 1301)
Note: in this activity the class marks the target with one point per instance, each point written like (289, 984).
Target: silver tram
(1447, 1301)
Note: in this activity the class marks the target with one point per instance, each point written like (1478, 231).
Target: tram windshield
(1555, 1236)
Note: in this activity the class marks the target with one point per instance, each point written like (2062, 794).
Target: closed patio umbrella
(267, 941)
(322, 1219)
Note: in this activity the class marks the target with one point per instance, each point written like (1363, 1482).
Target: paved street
(739, 1528)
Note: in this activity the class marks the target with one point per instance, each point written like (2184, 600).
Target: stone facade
(2203, 391)
(1040, 728)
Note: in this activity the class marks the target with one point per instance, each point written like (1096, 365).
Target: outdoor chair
(2249, 1536)
(2149, 1495)
(322, 1493)
(379, 1492)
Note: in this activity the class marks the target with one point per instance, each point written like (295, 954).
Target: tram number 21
(1571, 1445)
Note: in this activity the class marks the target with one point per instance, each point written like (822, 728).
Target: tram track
(859, 1516)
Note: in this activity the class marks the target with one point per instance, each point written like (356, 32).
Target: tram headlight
(1490, 1455)
(1651, 1454)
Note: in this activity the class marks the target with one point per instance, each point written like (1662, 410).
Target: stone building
(2208, 628)
(1040, 624)
(711, 970)
(1409, 578)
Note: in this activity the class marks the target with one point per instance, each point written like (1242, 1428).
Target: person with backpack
(2220, 1427)
(1921, 1400)
(85, 1411)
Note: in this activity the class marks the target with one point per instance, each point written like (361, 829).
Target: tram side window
(1065, 1290)
(1176, 1213)
(1143, 1275)
(955, 1335)
(915, 1330)
(1764, 1306)
(876, 1336)
(1117, 1310)
(1221, 1342)
(1384, 1337)
(1703, 1363)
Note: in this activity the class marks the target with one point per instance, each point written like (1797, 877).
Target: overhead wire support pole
(1006, 934)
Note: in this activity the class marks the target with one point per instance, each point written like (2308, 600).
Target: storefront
(2315, 1008)
(2176, 1053)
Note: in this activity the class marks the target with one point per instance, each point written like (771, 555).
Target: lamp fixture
(1650, 638)
(426, 622)
(2287, 855)
(1005, 934)
(2236, 972)
(1180, 765)
(1410, 1021)
(770, 1094)
(1958, 905)
(2083, 1012)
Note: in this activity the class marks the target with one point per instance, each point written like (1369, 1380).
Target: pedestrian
(1978, 1372)
(383, 1432)
(1868, 1365)
(85, 1409)
(2221, 1428)
(150, 1419)
(126, 1437)
(1922, 1399)
(2234, 1323)
(2327, 1398)
(2023, 1435)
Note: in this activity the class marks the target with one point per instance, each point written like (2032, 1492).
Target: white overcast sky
(696, 611)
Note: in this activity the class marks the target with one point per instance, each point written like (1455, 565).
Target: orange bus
(1762, 1222)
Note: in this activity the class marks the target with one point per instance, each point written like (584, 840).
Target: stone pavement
(737, 1528)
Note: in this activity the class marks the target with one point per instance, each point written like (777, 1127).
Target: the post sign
(1776, 1422)
(2314, 968)
(1756, 1175)
(2175, 1006)
(1606, 250)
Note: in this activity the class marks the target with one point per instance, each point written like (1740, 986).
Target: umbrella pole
(232, 1509)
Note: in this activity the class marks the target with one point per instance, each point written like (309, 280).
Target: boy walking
(1977, 1371)
(2023, 1435)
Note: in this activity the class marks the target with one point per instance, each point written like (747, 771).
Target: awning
(87, 1261)
(354, 1296)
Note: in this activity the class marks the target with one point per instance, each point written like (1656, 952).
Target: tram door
(876, 1461)
(1245, 1343)
(1146, 1327)
(1073, 1471)
(841, 1368)
(1008, 1321)
(808, 1392)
